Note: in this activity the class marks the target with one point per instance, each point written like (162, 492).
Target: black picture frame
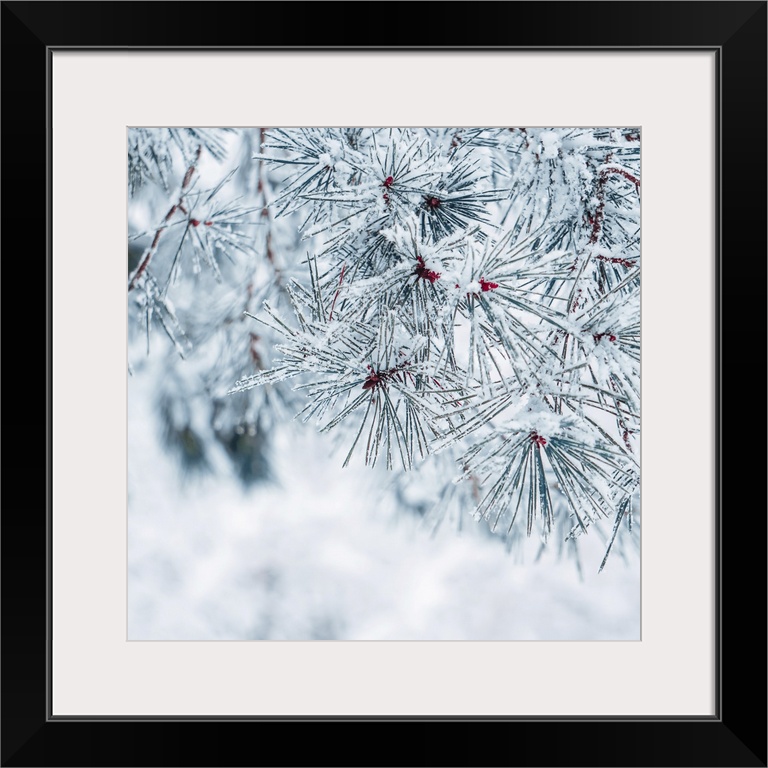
(735, 736)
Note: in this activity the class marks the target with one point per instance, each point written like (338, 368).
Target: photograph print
(384, 384)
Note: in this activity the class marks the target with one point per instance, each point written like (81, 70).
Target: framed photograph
(125, 607)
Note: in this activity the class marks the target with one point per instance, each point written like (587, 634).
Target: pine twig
(156, 239)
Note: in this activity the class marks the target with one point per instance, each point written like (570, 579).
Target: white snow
(312, 556)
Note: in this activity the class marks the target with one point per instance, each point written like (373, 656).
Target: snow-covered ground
(312, 555)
